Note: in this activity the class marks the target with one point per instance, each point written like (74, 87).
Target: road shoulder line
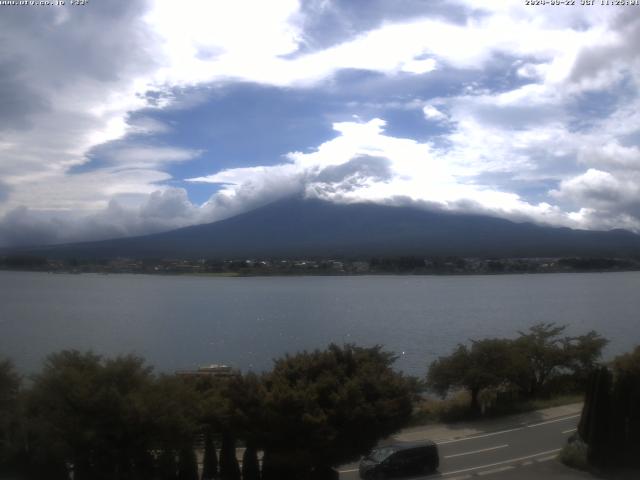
(504, 462)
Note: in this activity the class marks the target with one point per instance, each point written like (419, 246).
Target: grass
(455, 408)
(452, 409)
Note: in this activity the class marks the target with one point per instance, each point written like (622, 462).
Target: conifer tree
(187, 464)
(167, 466)
(210, 460)
(229, 468)
(250, 465)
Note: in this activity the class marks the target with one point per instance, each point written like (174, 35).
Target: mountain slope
(311, 228)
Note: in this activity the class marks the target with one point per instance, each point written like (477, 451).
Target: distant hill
(296, 228)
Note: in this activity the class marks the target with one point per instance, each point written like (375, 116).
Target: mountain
(296, 228)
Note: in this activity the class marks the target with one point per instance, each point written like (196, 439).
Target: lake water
(180, 322)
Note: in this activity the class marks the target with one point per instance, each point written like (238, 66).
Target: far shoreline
(311, 274)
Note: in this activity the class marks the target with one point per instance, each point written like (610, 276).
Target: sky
(123, 118)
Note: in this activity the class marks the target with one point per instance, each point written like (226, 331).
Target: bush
(325, 408)
(574, 454)
(454, 408)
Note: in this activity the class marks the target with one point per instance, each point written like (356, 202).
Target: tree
(174, 405)
(9, 389)
(94, 414)
(62, 409)
(324, 408)
(594, 425)
(250, 465)
(543, 353)
(210, 460)
(628, 363)
(625, 424)
(488, 363)
(229, 468)
(583, 354)
(187, 464)
(610, 421)
(167, 465)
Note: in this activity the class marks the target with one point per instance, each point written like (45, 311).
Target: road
(491, 453)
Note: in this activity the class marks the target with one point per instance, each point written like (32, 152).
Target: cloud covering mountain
(142, 116)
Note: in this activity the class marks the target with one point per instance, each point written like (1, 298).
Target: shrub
(574, 454)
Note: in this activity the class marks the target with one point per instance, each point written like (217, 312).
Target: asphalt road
(494, 453)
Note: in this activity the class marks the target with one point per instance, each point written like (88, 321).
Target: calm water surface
(182, 322)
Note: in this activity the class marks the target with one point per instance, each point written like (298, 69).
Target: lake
(178, 322)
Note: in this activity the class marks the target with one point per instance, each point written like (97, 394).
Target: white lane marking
(477, 451)
(463, 477)
(570, 430)
(491, 434)
(497, 470)
(511, 460)
(546, 459)
(484, 435)
(473, 437)
(552, 421)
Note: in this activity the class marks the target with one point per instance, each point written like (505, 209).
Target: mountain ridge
(294, 228)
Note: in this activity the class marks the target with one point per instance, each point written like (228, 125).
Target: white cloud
(71, 79)
(596, 188)
(432, 113)
(610, 155)
(147, 126)
(150, 156)
(419, 66)
(413, 170)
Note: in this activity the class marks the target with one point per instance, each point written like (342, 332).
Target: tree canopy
(526, 363)
(327, 407)
(9, 388)
(488, 363)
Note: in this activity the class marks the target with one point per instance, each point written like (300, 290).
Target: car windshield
(381, 454)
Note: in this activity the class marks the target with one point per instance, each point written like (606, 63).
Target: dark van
(400, 459)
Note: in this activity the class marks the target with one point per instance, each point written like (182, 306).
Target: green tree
(63, 410)
(210, 460)
(93, 413)
(175, 406)
(229, 468)
(543, 352)
(9, 414)
(324, 408)
(595, 422)
(583, 354)
(610, 421)
(487, 363)
(250, 464)
(628, 363)
(625, 415)
(187, 464)
(167, 465)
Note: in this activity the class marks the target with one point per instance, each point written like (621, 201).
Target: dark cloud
(604, 62)
(17, 97)
(161, 210)
(356, 170)
(4, 191)
(67, 44)
(24, 227)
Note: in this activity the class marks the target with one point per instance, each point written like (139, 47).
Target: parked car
(400, 459)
